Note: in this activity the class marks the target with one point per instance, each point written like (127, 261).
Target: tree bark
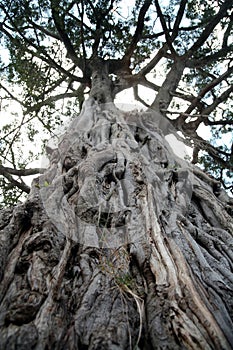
(120, 244)
(169, 86)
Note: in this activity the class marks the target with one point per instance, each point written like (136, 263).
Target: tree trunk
(119, 245)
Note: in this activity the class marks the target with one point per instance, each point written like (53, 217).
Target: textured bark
(120, 245)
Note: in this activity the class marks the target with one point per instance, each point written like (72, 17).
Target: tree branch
(209, 28)
(21, 185)
(44, 30)
(59, 23)
(207, 88)
(227, 32)
(223, 97)
(170, 84)
(202, 61)
(204, 145)
(11, 95)
(218, 122)
(188, 98)
(81, 23)
(138, 98)
(37, 106)
(22, 172)
(149, 84)
(82, 38)
(214, 153)
(165, 29)
(40, 53)
(184, 29)
(178, 20)
(138, 32)
(155, 60)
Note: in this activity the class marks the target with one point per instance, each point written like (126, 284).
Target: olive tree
(120, 243)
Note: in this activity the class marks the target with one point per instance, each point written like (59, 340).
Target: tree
(120, 243)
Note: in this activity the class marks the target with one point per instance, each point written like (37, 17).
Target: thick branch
(138, 31)
(213, 152)
(149, 84)
(164, 96)
(155, 60)
(21, 185)
(21, 172)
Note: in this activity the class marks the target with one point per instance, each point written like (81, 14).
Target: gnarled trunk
(119, 245)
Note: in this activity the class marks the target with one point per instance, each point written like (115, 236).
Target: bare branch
(22, 172)
(11, 95)
(184, 29)
(56, 84)
(37, 106)
(81, 23)
(19, 126)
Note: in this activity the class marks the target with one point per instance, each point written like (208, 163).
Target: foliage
(48, 49)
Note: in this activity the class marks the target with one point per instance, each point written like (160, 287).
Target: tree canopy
(50, 46)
